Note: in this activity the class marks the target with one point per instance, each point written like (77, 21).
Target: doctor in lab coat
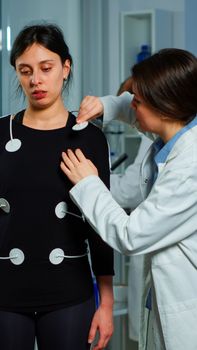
(122, 188)
(163, 226)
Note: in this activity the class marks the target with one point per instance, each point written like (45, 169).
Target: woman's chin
(139, 126)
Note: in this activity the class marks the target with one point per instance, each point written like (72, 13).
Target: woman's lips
(38, 95)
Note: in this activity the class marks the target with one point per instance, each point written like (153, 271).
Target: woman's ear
(66, 69)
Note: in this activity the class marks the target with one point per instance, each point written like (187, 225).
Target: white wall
(65, 13)
(102, 25)
(92, 31)
(176, 6)
(191, 26)
(178, 39)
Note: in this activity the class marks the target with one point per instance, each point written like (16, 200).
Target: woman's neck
(53, 117)
(170, 128)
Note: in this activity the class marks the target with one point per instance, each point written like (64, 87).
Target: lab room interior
(106, 38)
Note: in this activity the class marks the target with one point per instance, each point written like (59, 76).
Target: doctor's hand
(76, 166)
(90, 108)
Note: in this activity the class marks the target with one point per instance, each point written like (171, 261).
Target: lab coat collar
(162, 150)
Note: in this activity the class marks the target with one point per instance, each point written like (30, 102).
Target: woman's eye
(46, 69)
(25, 72)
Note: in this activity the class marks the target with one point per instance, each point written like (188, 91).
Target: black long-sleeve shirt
(33, 184)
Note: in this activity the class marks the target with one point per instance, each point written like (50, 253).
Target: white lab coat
(123, 188)
(164, 227)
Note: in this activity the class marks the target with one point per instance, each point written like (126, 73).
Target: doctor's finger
(68, 162)
(80, 155)
(72, 157)
(85, 161)
(64, 168)
(87, 103)
(71, 174)
(90, 108)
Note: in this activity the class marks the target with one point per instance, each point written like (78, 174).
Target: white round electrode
(4, 205)
(13, 145)
(81, 126)
(61, 209)
(16, 256)
(56, 256)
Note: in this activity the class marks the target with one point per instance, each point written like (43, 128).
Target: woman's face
(147, 118)
(41, 74)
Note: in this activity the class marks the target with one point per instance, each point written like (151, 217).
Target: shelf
(152, 27)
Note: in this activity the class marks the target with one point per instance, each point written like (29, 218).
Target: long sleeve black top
(33, 184)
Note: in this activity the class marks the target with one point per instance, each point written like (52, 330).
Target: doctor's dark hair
(49, 36)
(167, 82)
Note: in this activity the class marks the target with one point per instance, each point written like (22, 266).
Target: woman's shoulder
(4, 126)
(97, 137)
(3, 117)
(4, 120)
(96, 127)
(92, 129)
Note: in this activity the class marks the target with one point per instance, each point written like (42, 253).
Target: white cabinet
(152, 27)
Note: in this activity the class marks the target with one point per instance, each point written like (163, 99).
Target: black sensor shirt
(33, 184)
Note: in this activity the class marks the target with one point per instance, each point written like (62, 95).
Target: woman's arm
(103, 317)
(101, 254)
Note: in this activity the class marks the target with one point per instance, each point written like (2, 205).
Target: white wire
(8, 257)
(11, 136)
(79, 216)
(72, 256)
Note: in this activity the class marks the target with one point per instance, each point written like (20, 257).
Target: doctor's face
(147, 118)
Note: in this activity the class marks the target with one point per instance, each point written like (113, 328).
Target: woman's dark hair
(167, 82)
(49, 36)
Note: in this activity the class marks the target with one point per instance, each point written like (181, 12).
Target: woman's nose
(35, 79)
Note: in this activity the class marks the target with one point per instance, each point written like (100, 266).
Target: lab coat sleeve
(118, 107)
(163, 219)
(135, 293)
(125, 187)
